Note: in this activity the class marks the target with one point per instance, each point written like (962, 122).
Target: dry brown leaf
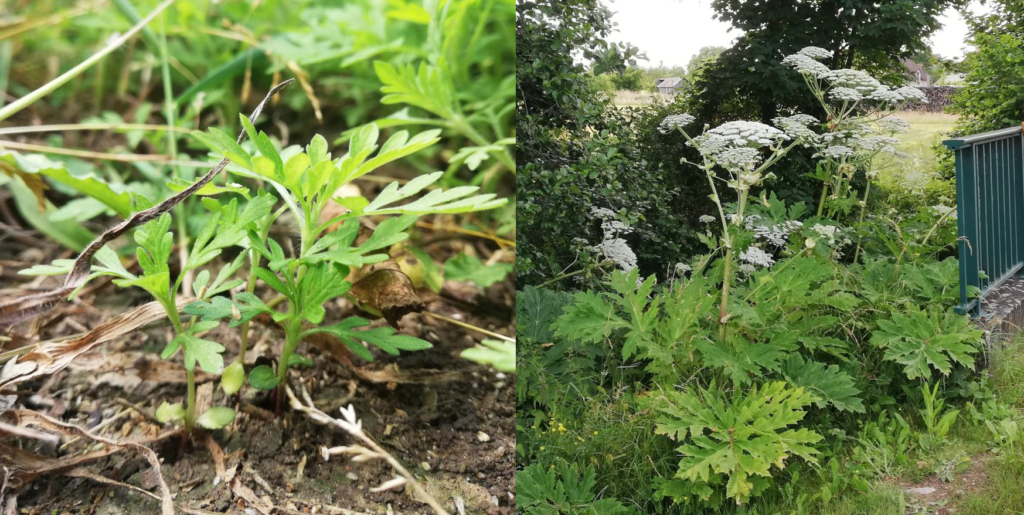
(251, 499)
(50, 357)
(386, 288)
(218, 456)
(33, 181)
(128, 369)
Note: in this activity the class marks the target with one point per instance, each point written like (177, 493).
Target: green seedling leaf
(169, 412)
(295, 359)
(200, 282)
(426, 88)
(221, 143)
(198, 350)
(233, 378)
(155, 243)
(13, 163)
(499, 354)
(320, 283)
(242, 309)
(209, 189)
(263, 378)
(216, 417)
(383, 337)
(157, 284)
(388, 233)
(266, 148)
(455, 200)
(317, 150)
(468, 268)
(294, 168)
(40, 216)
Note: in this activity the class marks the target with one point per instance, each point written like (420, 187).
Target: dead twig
(353, 426)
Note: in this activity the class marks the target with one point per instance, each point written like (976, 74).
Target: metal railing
(990, 211)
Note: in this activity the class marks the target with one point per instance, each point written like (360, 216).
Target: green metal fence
(990, 211)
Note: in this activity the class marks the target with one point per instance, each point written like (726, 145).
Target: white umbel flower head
(885, 94)
(748, 134)
(617, 250)
(912, 94)
(707, 219)
(815, 52)
(838, 152)
(874, 143)
(893, 125)
(845, 94)
(854, 79)
(796, 126)
(739, 159)
(675, 121)
(807, 66)
(828, 232)
(756, 256)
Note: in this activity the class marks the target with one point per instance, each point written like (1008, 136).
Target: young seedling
(306, 182)
(226, 227)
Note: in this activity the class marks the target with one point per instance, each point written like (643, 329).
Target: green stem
(824, 193)
(190, 406)
(461, 125)
(250, 287)
(549, 282)
(863, 208)
(171, 307)
(723, 309)
(66, 77)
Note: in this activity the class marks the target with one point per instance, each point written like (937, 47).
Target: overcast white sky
(672, 31)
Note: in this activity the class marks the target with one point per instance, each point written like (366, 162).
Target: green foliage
(561, 490)
(826, 382)
(464, 267)
(990, 97)
(739, 437)
(921, 340)
(499, 354)
(937, 422)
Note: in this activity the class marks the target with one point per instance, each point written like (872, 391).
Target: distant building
(669, 85)
(917, 75)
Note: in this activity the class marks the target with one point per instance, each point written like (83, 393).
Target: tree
(703, 57)
(993, 96)
(748, 80)
(576, 152)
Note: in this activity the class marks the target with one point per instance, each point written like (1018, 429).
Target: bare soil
(449, 421)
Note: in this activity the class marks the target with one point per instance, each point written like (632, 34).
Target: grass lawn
(913, 171)
(625, 98)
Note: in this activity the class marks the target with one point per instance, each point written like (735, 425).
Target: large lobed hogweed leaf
(921, 340)
(741, 435)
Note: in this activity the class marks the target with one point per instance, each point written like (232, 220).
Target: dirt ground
(447, 420)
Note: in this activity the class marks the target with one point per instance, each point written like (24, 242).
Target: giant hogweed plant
(777, 329)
